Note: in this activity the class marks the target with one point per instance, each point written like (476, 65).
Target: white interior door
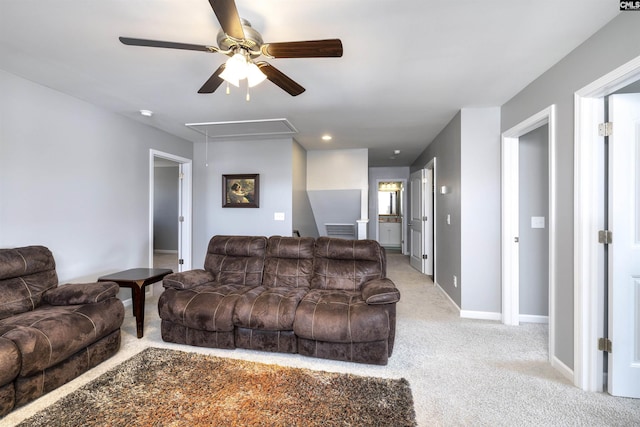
(428, 223)
(416, 258)
(624, 252)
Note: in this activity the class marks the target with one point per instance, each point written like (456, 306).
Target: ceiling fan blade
(280, 79)
(331, 48)
(227, 14)
(214, 81)
(170, 45)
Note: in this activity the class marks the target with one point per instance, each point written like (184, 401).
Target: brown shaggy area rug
(160, 387)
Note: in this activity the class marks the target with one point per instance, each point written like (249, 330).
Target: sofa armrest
(187, 279)
(81, 293)
(380, 291)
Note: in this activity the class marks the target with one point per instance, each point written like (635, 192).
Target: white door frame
(588, 219)
(185, 206)
(432, 193)
(510, 223)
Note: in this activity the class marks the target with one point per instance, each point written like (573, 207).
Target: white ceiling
(408, 65)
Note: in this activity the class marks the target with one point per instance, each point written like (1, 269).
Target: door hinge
(604, 344)
(181, 175)
(605, 129)
(425, 256)
(180, 261)
(605, 237)
(180, 218)
(424, 218)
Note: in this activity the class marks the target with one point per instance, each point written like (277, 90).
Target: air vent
(344, 231)
(245, 128)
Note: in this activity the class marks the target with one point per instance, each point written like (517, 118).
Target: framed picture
(241, 191)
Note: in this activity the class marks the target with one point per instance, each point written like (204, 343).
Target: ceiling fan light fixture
(254, 75)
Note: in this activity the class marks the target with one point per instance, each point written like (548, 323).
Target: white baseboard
(563, 369)
(480, 315)
(165, 251)
(447, 296)
(531, 318)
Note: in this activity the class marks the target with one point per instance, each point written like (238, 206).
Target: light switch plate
(537, 222)
(278, 216)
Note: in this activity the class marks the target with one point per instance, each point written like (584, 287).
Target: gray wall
(446, 148)
(611, 47)
(303, 218)
(480, 213)
(75, 178)
(335, 207)
(534, 202)
(272, 159)
(165, 208)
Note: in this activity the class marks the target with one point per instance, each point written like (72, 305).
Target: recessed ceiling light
(327, 137)
(396, 151)
(146, 113)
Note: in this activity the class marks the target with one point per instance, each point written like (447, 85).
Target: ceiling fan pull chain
(248, 96)
(228, 90)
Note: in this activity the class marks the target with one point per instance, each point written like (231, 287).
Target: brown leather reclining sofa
(50, 334)
(324, 297)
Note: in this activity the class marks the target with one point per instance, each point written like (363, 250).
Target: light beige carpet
(462, 372)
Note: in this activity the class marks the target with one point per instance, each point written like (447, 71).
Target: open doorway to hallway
(170, 215)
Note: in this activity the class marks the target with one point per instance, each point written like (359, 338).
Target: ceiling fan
(243, 44)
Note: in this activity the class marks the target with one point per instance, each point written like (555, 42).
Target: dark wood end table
(137, 279)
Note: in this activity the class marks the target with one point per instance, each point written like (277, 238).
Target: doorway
(176, 237)
(590, 266)
(390, 214)
(511, 229)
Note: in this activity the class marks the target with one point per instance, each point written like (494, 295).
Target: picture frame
(241, 191)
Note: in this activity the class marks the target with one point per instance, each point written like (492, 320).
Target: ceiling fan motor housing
(251, 43)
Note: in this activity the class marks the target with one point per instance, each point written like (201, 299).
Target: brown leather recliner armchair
(50, 334)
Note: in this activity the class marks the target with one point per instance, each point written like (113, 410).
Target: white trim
(531, 318)
(432, 165)
(185, 203)
(510, 252)
(446, 295)
(480, 315)
(588, 215)
(562, 368)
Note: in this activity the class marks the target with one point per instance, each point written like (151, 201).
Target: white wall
(480, 211)
(272, 159)
(75, 178)
(338, 170)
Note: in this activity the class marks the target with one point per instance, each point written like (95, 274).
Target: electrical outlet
(455, 281)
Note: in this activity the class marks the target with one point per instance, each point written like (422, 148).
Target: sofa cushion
(50, 334)
(81, 293)
(25, 261)
(25, 274)
(187, 279)
(380, 291)
(9, 361)
(268, 308)
(346, 264)
(236, 260)
(204, 307)
(341, 317)
(289, 262)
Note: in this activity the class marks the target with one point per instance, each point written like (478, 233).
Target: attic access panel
(244, 128)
